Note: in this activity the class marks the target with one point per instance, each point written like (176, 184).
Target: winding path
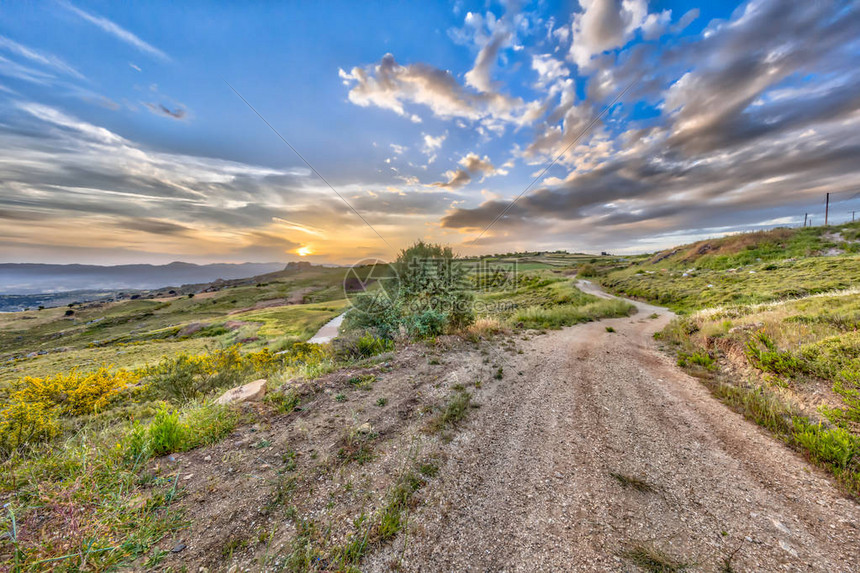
(528, 485)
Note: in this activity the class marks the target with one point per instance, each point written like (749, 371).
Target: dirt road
(528, 484)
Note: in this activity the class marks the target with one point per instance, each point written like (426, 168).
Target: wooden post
(805, 217)
(826, 209)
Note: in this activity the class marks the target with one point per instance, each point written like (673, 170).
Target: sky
(146, 131)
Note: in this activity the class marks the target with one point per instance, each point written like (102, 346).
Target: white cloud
(549, 69)
(118, 32)
(605, 25)
(389, 85)
(432, 145)
(47, 60)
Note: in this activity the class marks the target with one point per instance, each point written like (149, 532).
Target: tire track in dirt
(527, 485)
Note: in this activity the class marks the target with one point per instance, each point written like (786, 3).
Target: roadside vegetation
(740, 269)
(801, 360)
(769, 321)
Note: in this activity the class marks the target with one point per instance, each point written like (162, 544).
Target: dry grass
(652, 559)
(632, 482)
(484, 327)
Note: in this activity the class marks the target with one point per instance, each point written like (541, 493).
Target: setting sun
(304, 251)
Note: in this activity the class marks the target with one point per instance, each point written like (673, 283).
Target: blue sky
(122, 141)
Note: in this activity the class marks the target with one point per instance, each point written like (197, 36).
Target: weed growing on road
(632, 482)
(653, 559)
(454, 411)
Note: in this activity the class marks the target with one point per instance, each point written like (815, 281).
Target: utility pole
(805, 217)
(826, 209)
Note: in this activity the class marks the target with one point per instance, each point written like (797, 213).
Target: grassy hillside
(792, 365)
(769, 321)
(743, 269)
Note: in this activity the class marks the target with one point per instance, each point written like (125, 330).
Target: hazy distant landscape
(20, 278)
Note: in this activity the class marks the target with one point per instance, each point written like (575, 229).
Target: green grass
(795, 344)
(134, 507)
(742, 269)
(455, 410)
(833, 442)
(537, 317)
(297, 321)
(132, 333)
(774, 302)
(652, 559)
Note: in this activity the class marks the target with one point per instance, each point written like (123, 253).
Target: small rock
(787, 548)
(178, 547)
(250, 392)
(189, 476)
(780, 526)
(207, 459)
(365, 428)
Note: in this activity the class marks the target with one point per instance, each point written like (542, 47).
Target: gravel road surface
(529, 485)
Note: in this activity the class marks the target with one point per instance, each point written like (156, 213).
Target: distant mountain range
(27, 278)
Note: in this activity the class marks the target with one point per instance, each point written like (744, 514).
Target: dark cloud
(155, 226)
(163, 110)
(456, 179)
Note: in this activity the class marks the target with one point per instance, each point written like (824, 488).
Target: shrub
(358, 345)
(587, 270)
(770, 358)
(34, 406)
(186, 377)
(26, 423)
(166, 434)
(698, 358)
(426, 323)
(432, 280)
(375, 313)
(74, 392)
(833, 446)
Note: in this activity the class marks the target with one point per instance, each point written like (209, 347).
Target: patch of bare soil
(328, 463)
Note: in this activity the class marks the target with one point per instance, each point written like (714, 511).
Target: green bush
(362, 344)
(587, 270)
(426, 323)
(770, 358)
(833, 446)
(166, 433)
(375, 313)
(698, 358)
